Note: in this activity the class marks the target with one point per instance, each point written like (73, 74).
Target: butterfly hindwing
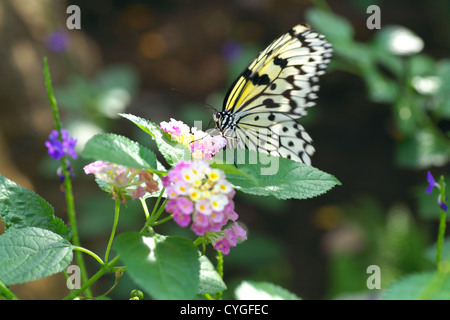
(273, 92)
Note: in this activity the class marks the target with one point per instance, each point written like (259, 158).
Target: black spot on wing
(269, 103)
(280, 62)
(247, 73)
(260, 80)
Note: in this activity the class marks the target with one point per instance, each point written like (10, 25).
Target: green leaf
(380, 88)
(210, 280)
(443, 94)
(165, 267)
(118, 76)
(337, 30)
(108, 94)
(172, 151)
(120, 150)
(233, 170)
(32, 253)
(278, 177)
(251, 290)
(425, 148)
(420, 286)
(20, 208)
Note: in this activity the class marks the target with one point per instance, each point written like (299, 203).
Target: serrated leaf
(278, 177)
(120, 150)
(251, 290)
(233, 170)
(172, 151)
(420, 286)
(210, 280)
(165, 267)
(20, 208)
(32, 253)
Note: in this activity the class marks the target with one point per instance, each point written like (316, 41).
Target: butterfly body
(261, 109)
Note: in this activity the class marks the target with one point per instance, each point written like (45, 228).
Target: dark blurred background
(373, 126)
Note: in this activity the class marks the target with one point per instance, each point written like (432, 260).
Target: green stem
(6, 293)
(67, 181)
(208, 296)
(95, 277)
(162, 220)
(113, 232)
(440, 239)
(51, 96)
(158, 213)
(150, 219)
(219, 258)
(144, 205)
(198, 241)
(155, 207)
(442, 226)
(96, 257)
(73, 224)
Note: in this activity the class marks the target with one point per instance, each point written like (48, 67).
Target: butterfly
(261, 109)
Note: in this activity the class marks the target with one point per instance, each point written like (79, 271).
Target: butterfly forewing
(274, 91)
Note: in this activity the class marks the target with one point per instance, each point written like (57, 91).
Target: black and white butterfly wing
(261, 109)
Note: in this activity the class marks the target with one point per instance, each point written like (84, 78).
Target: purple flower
(231, 50)
(60, 173)
(442, 204)
(431, 183)
(58, 149)
(58, 41)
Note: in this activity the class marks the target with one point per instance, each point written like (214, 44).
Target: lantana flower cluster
(202, 145)
(200, 194)
(123, 182)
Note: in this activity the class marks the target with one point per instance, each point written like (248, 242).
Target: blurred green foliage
(99, 99)
(412, 83)
(416, 89)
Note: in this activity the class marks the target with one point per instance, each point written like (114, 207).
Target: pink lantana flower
(123, 182)
(202, 145)
(200, 194)
(232, 235)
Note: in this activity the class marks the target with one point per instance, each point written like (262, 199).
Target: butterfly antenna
(207, 105)
(209, 123)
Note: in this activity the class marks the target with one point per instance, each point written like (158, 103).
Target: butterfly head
(224, 120)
